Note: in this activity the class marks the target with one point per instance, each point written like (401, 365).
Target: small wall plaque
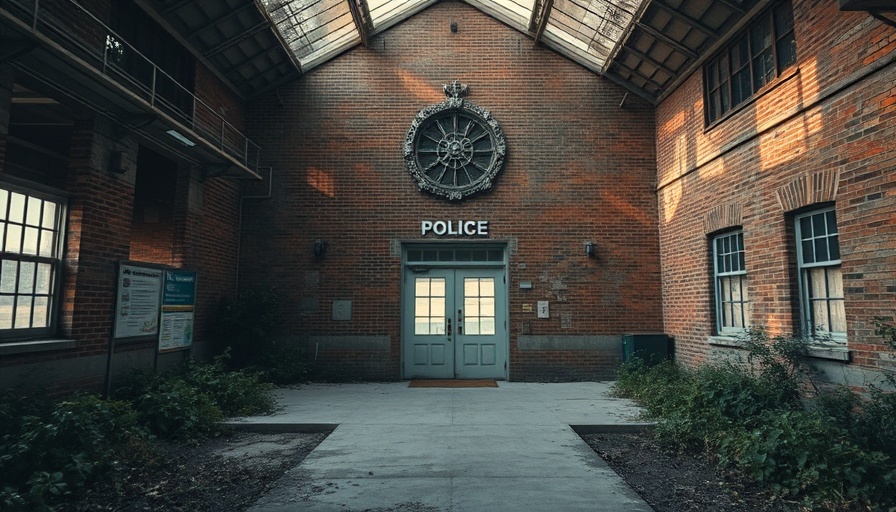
(342, 310)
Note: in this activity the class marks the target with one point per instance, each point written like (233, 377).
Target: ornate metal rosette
(454, 148)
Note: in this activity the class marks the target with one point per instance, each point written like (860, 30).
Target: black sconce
(320, 249)
(590, 249)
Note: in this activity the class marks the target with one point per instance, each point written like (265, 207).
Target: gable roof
(647, 46)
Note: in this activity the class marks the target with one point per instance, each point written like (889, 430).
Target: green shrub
(835, 452)
(799, 453)
(235, 393)
(283, 365)
(172, 409)
(56, 449)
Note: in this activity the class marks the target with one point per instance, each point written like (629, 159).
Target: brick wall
(579, 167)
(826, 126)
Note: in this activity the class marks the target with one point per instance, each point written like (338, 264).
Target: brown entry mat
(451, 383)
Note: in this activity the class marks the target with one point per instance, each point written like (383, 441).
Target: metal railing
(78, 31)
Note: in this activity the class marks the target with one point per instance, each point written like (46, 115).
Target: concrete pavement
(451, 450)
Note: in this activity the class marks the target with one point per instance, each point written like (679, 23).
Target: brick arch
(808, 189)
(722, 217)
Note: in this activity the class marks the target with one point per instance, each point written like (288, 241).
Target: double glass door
(455, 324)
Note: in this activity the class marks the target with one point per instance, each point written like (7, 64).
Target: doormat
(451, 383)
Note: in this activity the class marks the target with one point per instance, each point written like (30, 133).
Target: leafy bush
(52, 451)
(835, 451)
(188, 403)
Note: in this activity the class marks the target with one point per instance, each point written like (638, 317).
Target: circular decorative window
(454, 148)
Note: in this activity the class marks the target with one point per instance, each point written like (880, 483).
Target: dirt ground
(229, 474)
(679, 482)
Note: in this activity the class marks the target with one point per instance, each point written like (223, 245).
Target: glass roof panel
(515, 13)
(384, 11)
(314, 28)
(591, 27)
(584, 30)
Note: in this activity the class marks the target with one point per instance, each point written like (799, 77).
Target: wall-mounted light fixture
(590, 249)
(179, 137)
(320, 249)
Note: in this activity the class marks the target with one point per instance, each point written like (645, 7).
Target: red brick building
(450, 189)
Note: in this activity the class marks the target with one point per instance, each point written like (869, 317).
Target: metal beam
(651, 60)
(176, 7)
(733, 6)
(361, 17)
(251, 31)
(223, 19)
(543, 21)
(675, 13)
(627, 85)
(668, 40)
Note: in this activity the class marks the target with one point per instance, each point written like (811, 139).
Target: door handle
(448, 326)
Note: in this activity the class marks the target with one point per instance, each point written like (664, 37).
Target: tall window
(732, 301)
(750, 61)
(31, 238)
(821, 282)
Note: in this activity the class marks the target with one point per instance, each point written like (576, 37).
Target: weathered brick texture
(579, 167)
(821, 132)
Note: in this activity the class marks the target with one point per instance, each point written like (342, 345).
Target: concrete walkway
(428, 449)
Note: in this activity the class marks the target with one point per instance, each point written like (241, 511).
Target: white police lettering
(454, 228)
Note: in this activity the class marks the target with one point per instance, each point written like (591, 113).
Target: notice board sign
(178, 309)
(137, 302)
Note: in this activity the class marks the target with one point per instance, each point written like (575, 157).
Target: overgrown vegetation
(247, 329)
(50, 450)
(763, 417)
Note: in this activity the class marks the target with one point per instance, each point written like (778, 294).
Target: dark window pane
(740, 242)
(430, 255)
(834, 245)
(720, 263)
(763, 69)
(446, 255)
(831, 221)
(760, 37)
(726, 103)
(821, 249)
(806, 228)
(783, 18)
(414, 255)
(712, 76)
(479, 255)
(818, 227)
(464, 255)
(808, 254)
(786, 51)
(496, 255)
(740, 54)
(743, 263)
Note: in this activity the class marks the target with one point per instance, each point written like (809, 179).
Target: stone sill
(725, 341)
(832, 353)
(27, 347)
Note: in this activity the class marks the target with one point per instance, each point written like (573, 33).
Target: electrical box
(651, 348)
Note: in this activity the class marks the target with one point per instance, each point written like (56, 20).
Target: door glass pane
(429, 306)
(479, 306)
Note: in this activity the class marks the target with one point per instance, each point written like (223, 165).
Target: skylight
(586, 31)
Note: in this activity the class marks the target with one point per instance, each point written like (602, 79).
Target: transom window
(31, 239)
(732, 300)
(753, 59)
(821, 281)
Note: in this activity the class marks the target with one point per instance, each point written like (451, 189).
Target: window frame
(55, 260)
(719, 83)
(806, 301)
(724, 274)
